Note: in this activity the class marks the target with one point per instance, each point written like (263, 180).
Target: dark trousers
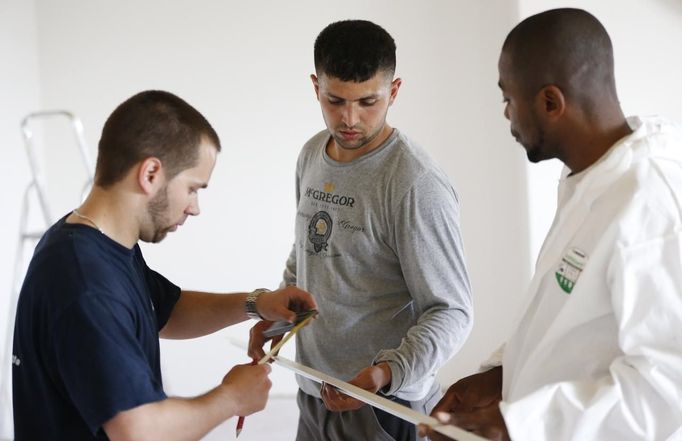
(316, 423)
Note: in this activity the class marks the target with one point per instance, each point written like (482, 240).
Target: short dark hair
(153, 123)
(354, 50)
(566, 47)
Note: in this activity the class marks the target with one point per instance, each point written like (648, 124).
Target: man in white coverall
(597, 354)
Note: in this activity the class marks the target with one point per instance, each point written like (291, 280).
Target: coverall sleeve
(640, 397)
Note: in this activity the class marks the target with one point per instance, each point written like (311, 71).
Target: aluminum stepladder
(36, 186)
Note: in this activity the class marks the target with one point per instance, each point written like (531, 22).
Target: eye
(334, 101)
(368, 103)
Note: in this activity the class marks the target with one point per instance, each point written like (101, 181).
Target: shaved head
(568, 48)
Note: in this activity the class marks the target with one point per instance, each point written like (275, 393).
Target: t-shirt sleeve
(164, 294)
(100, 362)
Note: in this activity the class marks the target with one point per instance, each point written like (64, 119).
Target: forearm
(199, 313)
(443, 325)
(426, 347)
(174, 418)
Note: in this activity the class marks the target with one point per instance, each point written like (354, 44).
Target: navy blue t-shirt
(86, 338)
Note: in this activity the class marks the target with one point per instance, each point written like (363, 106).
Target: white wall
(19, 94)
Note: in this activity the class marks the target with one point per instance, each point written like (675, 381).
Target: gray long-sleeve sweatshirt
(378, 244)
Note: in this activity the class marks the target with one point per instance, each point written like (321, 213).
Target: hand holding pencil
(302, 320)
(248, 387)
(240, 421)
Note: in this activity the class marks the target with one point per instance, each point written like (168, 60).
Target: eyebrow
(368, 97)
(499, 84)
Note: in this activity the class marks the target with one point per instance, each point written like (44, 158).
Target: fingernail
(443, 417)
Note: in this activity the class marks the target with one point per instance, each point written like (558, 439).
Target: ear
(395, 85)
(150, 175)
(316, 85)
(552, 101)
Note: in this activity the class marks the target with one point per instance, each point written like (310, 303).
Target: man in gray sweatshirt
(378, 242)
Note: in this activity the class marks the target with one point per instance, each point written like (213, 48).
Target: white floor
(277, 422)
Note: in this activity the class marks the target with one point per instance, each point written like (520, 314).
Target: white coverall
(597, 354)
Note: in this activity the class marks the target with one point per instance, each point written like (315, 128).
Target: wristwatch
(250, 306)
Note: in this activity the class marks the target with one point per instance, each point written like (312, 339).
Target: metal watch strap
(250, 306)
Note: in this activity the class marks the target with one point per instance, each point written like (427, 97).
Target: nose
(193, 208)
(350, 115)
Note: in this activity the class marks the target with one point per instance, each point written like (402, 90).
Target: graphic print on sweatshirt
(319, 230)
(329, 213)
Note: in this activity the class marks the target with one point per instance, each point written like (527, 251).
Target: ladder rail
(36, 172)
(37, 185)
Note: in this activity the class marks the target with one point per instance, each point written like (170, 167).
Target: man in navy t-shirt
(90, 313)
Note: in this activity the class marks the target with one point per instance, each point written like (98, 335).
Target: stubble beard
(157, 208)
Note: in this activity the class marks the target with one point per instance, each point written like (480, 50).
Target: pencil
(240, 421)
(272, 353)
(240, 425)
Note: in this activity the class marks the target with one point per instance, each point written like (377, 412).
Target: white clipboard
(395, 409)
(378, 401)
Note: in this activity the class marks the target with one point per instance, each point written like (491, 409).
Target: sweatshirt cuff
(397, 375)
